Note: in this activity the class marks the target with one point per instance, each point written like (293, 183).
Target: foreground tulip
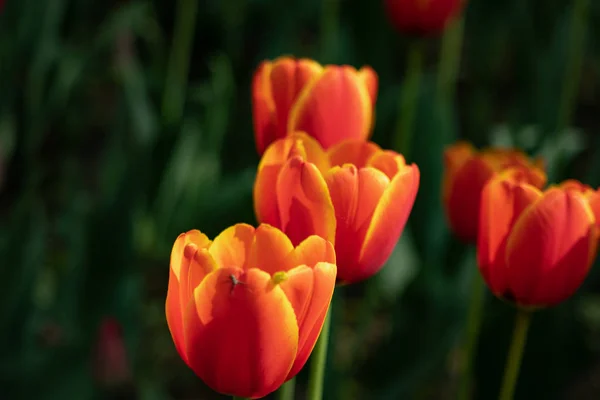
(330, 103)
(354, 195)
(245, 310)
(534, 248)
(466, 173)
(422, 17)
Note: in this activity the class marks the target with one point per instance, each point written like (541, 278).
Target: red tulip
(330, 103)
(534, 248)
(246, 309)
(355, 195)
(422, 17)
(466, 173)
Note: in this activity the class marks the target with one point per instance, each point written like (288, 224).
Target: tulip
(245, 310)
(330, 103)
(466, 173)
(354, 195)
(534, 248)
(110, 361)
(422, 17)
(591, 195)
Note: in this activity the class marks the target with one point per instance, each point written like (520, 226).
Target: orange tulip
(354, 195)
(422, 17)
(591, 195)
(330, 103)
(245, 310)
(534, 248)
(466, 173)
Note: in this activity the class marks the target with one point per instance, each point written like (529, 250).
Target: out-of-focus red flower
(331, 103)
(355, 195)
(110, 361)
(465, 174)
(422, 17)
(535, 248)
(246, 309)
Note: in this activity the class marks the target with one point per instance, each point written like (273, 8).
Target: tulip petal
(311, 251)
(263, 107)
(550, 249)
(388, 221)
(304, 202)
(371, 81)
(232, 247)
(357, 152)
(355, 194)
(309, 291)
(288, 78)
(270, 250)
(502, 202)
(243, 338)
(463, 197)
(389, 162)
(334, 107)
(186, 268)
(296, 144)
(594, 201)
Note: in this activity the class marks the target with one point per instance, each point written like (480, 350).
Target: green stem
(287, 390)
(318, 363)
(179, 61)
(409, 99)
(474, 320)
(513, 363)
(329, 30)
(450, 59)
(574, 59)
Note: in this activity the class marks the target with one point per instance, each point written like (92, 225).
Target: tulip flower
(466, 173)
(330, 103)
(355, 195)
(245, 309)
(422, 17)
(110, 360)
(591, 195)
(534, 248)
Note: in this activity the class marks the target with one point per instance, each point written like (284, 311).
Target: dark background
(104, 160)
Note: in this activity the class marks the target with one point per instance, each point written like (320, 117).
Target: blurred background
(124, 123)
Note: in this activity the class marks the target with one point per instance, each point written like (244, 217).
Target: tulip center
(235, 281)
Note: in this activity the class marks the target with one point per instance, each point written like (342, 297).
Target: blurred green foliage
(124, 123)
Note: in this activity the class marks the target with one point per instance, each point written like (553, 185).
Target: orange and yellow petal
(388, 222)
(371, 81)
(550, 249)
(304, 203)
(270, 250)
(389, 162)
(334, 107)
(357, 152)
(503, 200)
(311, 251)
(242, 335)
(231, 248)
(355, 194)
(309, 291)
(263, 107)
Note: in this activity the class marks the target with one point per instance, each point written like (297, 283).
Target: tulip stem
(450, 59)
(287, 390)
(474, 320)
(409, 98)
(574, 60)
(513, 362)
(319, 360)
(174, 92)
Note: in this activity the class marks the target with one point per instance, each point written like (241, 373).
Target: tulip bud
(330, 103)
(534, 248)
(422, 17)
(111, 365)
(466, 173)
(355, 195)
(246, 309)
